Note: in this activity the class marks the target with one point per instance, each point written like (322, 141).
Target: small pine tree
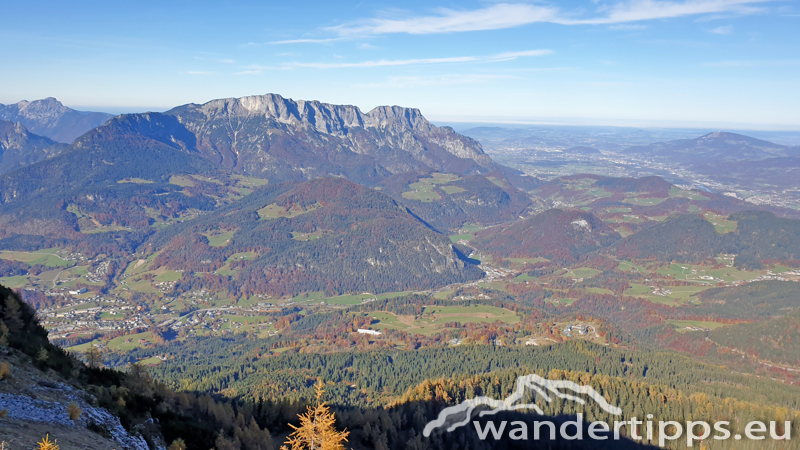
(42, 356)
(93, 357)
(317, 430)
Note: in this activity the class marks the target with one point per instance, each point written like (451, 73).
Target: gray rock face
(19, 147)
(268, 134)
(24, 408)
(49, 118)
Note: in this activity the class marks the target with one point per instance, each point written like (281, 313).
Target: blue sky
(639, 62)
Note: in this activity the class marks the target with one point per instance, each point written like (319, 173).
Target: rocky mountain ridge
(50, 118)
(269, 135)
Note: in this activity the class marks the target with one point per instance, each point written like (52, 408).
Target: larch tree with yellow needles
(46, 444)
(317, 429)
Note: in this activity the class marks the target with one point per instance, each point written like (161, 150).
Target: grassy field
(116, 344)
(461, 237)
(219, 240)
(562, 301)
(169, 275)
(625, 266)
(696, 273)
(45, 257)
(679, 294)
(425, 190)
(142, 286)
(691, 195)
(303, 237)
(443, 295)
(644, 201)
(274, 211)
(181, 180)
(597, 290)
(226, 270)
(681, 325)
(470, 228)
(450, 190)
(526, 260)
(309, 297)
(246, 322)
(14, 282)
(141, 265)
(357, 299)
(135, 181)
(524, 277)
(581, 272)
(721, 223)
(422, 191)
(433, 318)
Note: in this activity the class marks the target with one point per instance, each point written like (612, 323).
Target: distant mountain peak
(324, 117)
(45, 108)
(270, 134)
(713, 148)
(728, 136)
(50, 118)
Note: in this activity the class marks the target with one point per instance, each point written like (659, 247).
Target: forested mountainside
(562, 235)
(19, 147)
(416, 385)
(448, 202)
(50, 118)
(685, 238)
(111, 179)
(327, 234)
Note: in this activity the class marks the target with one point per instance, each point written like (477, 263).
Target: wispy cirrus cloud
(628, 27)
(755, 63)
(510, 15)
(642, 10)
(499, 16)
(727, 29)
(223, 60)
(402, 82)
(506, 56)
(294, 41)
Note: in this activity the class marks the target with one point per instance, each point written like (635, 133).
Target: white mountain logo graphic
(459, 415)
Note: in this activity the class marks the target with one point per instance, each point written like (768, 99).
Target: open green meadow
(433, 318)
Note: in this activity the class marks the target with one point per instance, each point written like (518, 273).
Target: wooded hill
(327, 234)
(562, 235)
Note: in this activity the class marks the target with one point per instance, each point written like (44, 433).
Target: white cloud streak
(727, 29)
(506, 56)
(293, 41)
(403, 82)
(755, 64)
(494, 17)
(508, 15)
(640, 10)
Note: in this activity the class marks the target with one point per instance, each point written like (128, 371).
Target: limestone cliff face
(268, 133)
